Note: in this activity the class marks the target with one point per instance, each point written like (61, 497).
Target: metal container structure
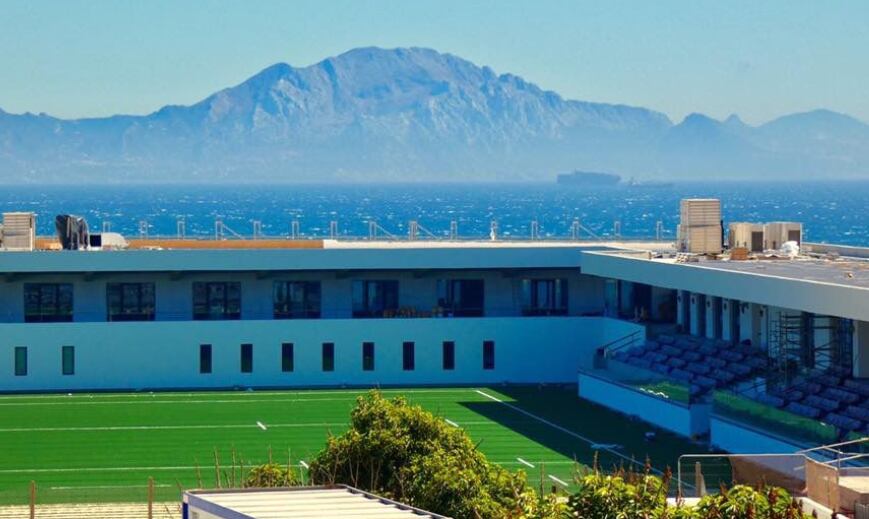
(746, 235)
(777, 233)
(19, 231)
(700, 225)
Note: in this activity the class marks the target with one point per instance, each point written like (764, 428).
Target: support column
(682, 306)
(861, 349)
(698, 314)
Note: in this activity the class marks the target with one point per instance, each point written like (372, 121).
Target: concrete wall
(739, 439)
(667, 414)
(132, 355)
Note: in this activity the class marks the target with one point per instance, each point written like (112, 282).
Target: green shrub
(406, 453)
(271, 475)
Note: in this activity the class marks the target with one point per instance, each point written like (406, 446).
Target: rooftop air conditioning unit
(746, 235)
(19, 231)
(776, 234)
(700, 225)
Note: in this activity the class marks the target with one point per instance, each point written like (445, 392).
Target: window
(461, 297)
(130, 301)
(296, 299)
(375, 298)
(367, 356)
(67, 360)
(247, 358)
(205, 358)
(47, 302)
(488, 354)
(328, 356)
(407, 360)
(216, 301)
(449, 355)
(544, 297)
(20, 361)
(287, 360)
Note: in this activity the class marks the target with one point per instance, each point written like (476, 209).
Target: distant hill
(414, 114)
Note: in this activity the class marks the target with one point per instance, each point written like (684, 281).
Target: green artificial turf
(104, 447)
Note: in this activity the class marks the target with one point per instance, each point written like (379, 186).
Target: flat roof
(300, 503)
(852, 273)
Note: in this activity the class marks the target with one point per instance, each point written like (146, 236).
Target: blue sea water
(831, 211)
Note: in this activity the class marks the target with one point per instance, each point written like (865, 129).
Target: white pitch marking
(454, 424)
(261, 426)
(553, 478)
(98, 469)
(162, 427)
(107, 486)
(302, 463)
(238, 394)
(520, 460)
(560, 428)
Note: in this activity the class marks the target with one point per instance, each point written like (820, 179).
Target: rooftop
(853, 273)
(300, 503)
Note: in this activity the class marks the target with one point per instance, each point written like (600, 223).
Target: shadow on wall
(618, 439)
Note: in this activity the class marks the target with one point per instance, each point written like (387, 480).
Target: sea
(834, 212)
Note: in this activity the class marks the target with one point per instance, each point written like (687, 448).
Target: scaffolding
(805, 344)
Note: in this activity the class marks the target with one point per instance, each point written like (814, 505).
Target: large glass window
(544, 297)
(328, 356)
(47, 302)
(67, 360)
(296, 299)
(214, 301)
(375, 298)
(20, 361)
(130, 301)
(460, 297)
(408, 362)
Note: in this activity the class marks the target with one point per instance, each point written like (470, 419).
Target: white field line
(168, 427)
(302, 463)
(553, 478)
(520, 460)
(560, 428)
(237, 394)
(454, 424)
(261, 426)
(107, 487)
(181, 402)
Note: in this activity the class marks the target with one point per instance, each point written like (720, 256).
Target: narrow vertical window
(247, 358)
(407, 361)
(449, 355)
(67, 360)
(287, 360)
(205, 358)
(367, 356)
(328, 356)
(20, 361)
(488, 354)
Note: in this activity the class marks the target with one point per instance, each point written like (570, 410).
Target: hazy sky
(760, 59)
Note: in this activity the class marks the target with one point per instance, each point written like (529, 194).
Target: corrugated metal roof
(299, 503)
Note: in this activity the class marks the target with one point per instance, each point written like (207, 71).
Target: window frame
(310, 307)
(375, 298)
(448, 352)
(488, 355)
(67, 360)
(328, 357)
(450, 294)
(144, 290)
(246, 358)
(557, 297)
(288, 357)
(229, 307)
(54, 302)
(368, 359)
(206, 359)
(408, 356)
(20, 361)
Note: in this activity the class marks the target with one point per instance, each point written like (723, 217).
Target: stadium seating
(702, 364)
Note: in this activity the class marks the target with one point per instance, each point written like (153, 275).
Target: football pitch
(103, 447)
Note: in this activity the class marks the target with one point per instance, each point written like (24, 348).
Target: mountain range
(414, 114)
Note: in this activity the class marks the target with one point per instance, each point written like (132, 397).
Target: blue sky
(75, 58)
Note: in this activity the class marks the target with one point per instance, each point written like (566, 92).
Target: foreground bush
(406, 453)
(271, 475)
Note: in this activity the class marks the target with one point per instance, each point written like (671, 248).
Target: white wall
(130, 355)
